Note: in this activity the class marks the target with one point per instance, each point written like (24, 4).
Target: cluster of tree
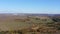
(55, 23)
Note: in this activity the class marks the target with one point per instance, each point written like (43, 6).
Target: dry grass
(26, 25)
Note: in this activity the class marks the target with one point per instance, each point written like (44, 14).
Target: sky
(30, 6)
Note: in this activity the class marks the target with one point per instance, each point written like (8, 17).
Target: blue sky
(30, 6)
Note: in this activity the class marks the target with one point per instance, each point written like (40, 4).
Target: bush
(37, 18)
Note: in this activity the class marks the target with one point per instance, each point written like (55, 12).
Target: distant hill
(27, 14)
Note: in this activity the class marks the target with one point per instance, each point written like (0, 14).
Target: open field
(29, 24)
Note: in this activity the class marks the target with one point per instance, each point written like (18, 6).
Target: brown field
(16, 24)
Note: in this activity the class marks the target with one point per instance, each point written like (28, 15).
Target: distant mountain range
(26, 14)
